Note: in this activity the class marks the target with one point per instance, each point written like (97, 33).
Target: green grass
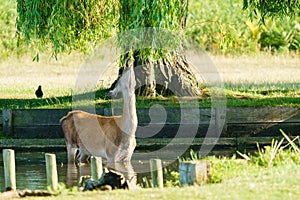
(266, 80)
(261, 185)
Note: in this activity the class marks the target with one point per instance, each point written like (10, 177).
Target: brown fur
(109, 137)
(110, 132)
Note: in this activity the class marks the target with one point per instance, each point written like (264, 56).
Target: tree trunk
(171, 75)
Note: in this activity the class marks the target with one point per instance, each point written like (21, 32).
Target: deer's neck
(129, 116)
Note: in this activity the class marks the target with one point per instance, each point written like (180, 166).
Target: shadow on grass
(101, 100)
(51, 102)
(235, 98)
(34, 103)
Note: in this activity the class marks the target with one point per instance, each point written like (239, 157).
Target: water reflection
(72, 176)
(31, 170)
(74, 172)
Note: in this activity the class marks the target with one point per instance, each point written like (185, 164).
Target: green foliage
(54, 102)
(165, 19)
(150, 13)
(277, 154)
(192, 156)
(8, 41)
(276, 35)
(223, 27)
(271, 39)
(72, 25)
(172, 177)
(67, 25)
(272, 8)
(226, 168)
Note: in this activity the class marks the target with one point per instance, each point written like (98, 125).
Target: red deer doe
(110, 137)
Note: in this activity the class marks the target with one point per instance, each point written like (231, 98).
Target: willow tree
(70, 25)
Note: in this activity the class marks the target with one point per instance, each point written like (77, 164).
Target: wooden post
(7, 122)
(194, 172)
(156, 173)
(9, 169)
(96, 167)
(51, 171)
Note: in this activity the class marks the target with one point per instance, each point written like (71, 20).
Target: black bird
(39, 92)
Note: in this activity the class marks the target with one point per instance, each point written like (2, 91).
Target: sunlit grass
(248, 81)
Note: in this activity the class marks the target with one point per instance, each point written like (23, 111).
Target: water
(31, 170)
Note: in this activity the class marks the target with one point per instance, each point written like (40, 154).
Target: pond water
(31, 170)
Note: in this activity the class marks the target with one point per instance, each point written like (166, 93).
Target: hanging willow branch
(66, 24)
(272, 8)
(79, 24)
(151, 13)
(169, 15)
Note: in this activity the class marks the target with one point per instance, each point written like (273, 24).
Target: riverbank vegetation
(272, 172)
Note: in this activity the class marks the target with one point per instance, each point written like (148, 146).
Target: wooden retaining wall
(221, 146)
(169, 123)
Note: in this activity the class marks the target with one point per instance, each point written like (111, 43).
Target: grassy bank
(247, 81)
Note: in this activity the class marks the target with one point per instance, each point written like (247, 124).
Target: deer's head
(126, 83)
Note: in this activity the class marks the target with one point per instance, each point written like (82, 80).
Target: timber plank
(260, 114)
(171, 122)
(262, 129)
(38, 117)
(46, 131)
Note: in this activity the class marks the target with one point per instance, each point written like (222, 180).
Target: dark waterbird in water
(39, 92)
